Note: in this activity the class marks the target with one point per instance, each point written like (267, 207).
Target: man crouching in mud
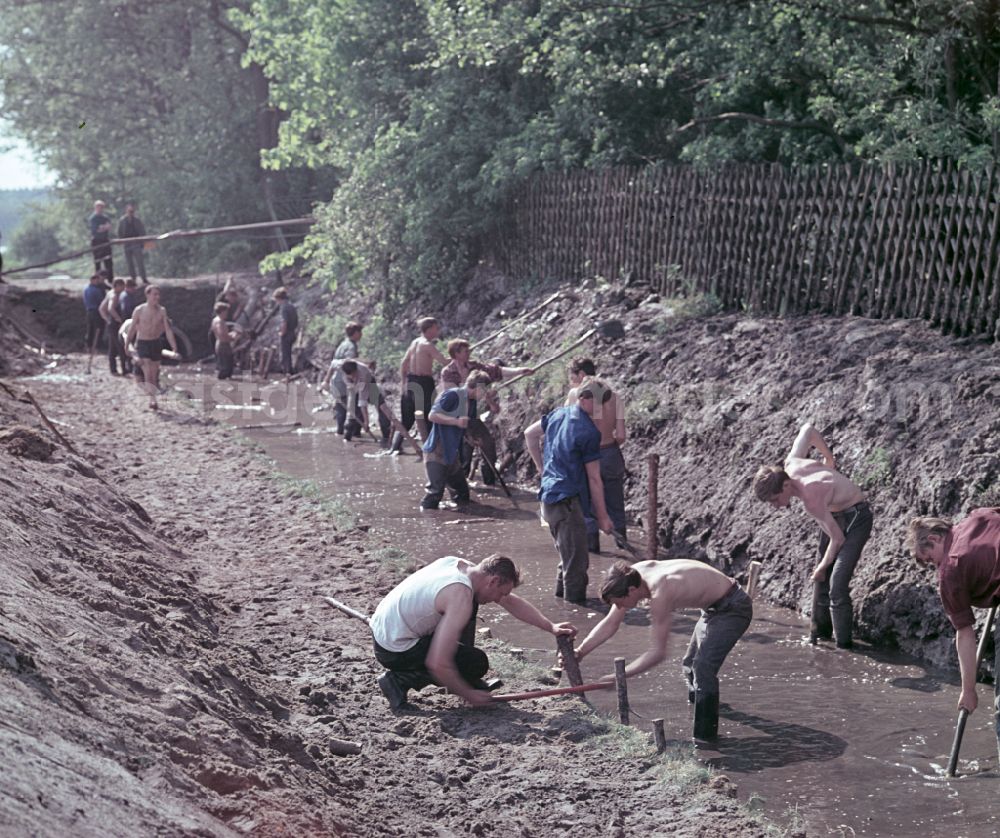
(726, 611)
(424, 629)
(844, 517)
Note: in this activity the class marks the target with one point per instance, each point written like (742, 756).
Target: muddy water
(845, 743)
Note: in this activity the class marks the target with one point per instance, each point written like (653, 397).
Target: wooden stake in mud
(570, 665)
(753, 575)
(622, 686)
(652, 482)
(659, 737)
(546, 362)
(963, 714)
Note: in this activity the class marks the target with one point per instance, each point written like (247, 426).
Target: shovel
(963, 714)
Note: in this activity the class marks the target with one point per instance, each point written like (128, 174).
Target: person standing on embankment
(967, 558)
(844, 517)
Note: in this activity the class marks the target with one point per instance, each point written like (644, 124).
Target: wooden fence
(879, 241)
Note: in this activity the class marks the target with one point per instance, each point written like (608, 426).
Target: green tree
(35, 240)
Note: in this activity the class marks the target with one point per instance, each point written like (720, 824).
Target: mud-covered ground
(167, 665)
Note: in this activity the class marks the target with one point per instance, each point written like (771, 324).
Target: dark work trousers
(569, 531)
(832, 611)
(102, 256)
(136, 262)
(613, 478)
(996, 681)
(354, 426)
(95, 328)
(115, 349)
(472, 663)
(224, 361)
(480, 434)
(441, 475)
(419, 395)
(287, 340)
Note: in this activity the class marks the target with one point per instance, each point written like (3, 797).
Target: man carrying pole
(726, 612)
(967, 558)
(424, 630)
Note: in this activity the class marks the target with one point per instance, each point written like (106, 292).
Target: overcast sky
(18, 168)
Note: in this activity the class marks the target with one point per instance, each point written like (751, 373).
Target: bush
(35, 240)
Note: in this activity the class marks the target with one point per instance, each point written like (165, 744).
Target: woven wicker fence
(879, 241)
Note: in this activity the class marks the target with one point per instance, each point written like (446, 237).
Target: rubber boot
(594, 542)
(706, 716)
(397, 443)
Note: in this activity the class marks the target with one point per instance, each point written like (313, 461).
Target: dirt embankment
(911, 415)
(167, 665)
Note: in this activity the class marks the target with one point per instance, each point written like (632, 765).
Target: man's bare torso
(220, 330)
(150, 322)
(823, 485)
(605, 416)
(423, 354)
(682, 583)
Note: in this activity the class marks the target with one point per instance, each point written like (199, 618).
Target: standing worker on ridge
(289, 328)
(130, 226)
(93, 296)
(100, 236)
(844, 517)
(967, 558)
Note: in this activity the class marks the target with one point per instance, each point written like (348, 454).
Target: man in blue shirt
(93, 296)
(571, 469)
(449, 417)
(100, 237)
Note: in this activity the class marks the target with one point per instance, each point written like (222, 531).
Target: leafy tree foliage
(36, 240)
(146, 101)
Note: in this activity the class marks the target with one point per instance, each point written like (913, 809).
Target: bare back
(221, 330)
(608, 417)
(681, 583)
(821, 486)
(423, 353)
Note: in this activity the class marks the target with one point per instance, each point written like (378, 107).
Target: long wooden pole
(346, 609)
(963, 714)
(499, 332)
(173, 234)
(555, 691)
(546, 362)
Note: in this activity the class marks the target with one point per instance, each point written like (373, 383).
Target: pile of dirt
(172, 669)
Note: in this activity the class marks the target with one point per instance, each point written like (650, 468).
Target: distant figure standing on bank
(348, 347)
(111, 313)
(417, 376)
(610, 421)
(149, 323)
(129, 298)
(223, 341)
(571, 468)
(289, 328)
(93, 296)
(424, 631)
(967, 558)
(130, 226)
(844, 517)
(100, 236)
(726, 612)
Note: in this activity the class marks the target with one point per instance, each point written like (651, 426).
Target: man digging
(424, 630)
(726, 612)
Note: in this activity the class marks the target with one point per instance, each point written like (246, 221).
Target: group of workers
(424, 629)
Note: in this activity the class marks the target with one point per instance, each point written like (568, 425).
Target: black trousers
(353, 426)
(95, 328)
(115, 349)
(287, 340)
(472, 663)
(102, 256)
(419, 395)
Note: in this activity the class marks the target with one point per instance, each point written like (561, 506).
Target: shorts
(151, 350)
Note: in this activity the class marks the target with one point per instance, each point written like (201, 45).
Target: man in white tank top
(424, 629)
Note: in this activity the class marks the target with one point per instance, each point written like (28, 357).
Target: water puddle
(846, 743)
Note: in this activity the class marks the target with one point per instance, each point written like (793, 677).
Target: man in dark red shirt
(967, 558)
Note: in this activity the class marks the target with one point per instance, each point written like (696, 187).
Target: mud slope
(911, 415)
(167, 665)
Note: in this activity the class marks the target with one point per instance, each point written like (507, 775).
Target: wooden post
(653, 470)
(623, 710)
(752, 577)
(570, 664)
(659, 737)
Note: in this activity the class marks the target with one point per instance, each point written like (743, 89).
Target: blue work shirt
(98, 220)
(453, 403)
(571, 441)
(93, 296)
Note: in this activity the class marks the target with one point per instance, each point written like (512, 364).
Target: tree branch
(803, 125)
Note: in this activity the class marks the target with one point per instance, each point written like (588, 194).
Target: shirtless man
(844, 518)
(149, 322)
(726, 611)
(610, 421)
(223, 341)
(416, 377)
